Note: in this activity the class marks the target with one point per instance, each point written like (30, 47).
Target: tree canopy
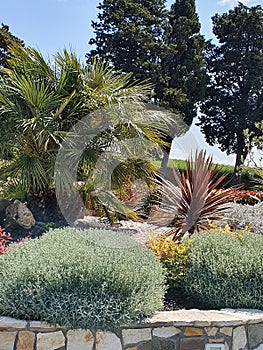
(130, 34)
(6, 39)
(234, 95)
(164, 46)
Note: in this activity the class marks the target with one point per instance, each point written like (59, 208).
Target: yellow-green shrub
(172, 255)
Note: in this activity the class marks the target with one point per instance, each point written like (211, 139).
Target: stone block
(226, 331)
(50, 341)
(79, 339)
(166, 332)
(192, 344)
(217, 340)
(8, 322)
(42, 325)
(157, 344)
(25, 341)
(192, 331)
(239, 340)
(107, 341)
(202, 324)
(211, 331)
(7, 340)
(255, 335)
(133, 335)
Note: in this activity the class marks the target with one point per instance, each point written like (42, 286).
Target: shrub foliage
(81, 279)
(172, 255)
(225, 270)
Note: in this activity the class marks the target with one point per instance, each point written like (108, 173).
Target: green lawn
(247, 175)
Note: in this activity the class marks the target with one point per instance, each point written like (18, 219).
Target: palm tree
(41, 101)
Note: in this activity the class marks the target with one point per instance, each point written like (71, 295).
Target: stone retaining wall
(172, 330)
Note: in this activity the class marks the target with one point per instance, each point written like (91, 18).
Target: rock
(80, 339)
(17, 214)
(7, 340)
(255, 335)
(133, 335)
(239, 338)
(26, 340)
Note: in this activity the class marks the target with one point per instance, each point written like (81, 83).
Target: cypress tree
(144, 38)
(130, 34)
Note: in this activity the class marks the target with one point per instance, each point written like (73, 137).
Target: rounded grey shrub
(225, 270)
(95, 279)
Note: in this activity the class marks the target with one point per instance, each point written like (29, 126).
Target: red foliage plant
(6, 239)
(193, 201)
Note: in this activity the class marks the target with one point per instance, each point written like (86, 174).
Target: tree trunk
(237, 169)
(166, 152)
(241, 155)
(163, 168)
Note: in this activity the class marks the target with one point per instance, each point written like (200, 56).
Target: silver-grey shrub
(239, 216)
(225, 270)
(81, 279)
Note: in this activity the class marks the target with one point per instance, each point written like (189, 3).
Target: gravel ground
(140, 231)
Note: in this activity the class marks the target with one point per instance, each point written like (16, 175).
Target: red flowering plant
(6, 239)
(246, 196)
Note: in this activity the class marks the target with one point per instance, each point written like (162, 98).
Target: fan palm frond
(111, 87)
(27, 59)
(30, 171)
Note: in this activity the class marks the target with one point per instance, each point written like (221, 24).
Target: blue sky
(51, 25)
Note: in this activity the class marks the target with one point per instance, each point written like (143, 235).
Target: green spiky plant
(188, 204)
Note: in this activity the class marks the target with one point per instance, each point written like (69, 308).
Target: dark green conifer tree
(183, 60)
(234, 96)
(6, 38)
(130, 34)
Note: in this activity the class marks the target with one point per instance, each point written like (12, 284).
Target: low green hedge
(225, 270)
(81, 279)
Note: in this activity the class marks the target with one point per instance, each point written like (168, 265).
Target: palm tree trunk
(163, 168)
(166, 152)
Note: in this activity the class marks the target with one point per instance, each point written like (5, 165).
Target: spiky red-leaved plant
(193, 200)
